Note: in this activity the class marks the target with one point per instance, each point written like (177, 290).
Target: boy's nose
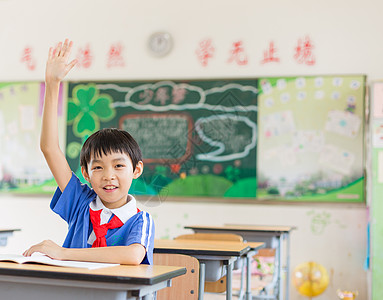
(108, 175)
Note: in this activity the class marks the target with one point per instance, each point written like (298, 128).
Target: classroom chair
(215, 272)
(184, 287)
(268, 290)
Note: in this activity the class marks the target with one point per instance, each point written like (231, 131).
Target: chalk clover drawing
(87, 108)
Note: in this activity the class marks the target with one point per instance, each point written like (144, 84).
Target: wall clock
(160, 43)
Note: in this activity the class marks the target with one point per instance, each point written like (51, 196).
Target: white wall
(347, 40)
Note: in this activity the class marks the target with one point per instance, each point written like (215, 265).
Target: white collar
(124, 213)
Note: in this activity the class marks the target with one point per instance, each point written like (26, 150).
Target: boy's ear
(138, 170)
(85, 174)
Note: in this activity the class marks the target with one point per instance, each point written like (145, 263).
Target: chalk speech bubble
(232, 136)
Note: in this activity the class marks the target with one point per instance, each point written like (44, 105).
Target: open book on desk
(43, 259)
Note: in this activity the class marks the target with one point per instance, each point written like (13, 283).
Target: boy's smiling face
(111, 176)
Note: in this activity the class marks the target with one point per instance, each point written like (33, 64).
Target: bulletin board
(311, 138)
(22, 165)
(198, 138)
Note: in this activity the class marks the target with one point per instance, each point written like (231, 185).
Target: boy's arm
(126, 255)
(56, 69)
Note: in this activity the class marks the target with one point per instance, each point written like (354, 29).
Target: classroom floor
(256, 282)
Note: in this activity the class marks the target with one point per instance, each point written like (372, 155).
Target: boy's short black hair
(108, 140)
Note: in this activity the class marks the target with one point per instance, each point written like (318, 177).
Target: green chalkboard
(198, 137)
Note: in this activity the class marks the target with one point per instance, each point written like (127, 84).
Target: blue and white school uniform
(73, 206)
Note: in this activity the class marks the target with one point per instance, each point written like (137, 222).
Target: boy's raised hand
(57, 67)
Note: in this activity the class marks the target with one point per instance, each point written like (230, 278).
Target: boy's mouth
(109, 187)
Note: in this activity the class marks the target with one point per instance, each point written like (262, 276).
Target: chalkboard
(198, 137)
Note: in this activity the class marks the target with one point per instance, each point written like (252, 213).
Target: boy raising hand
(104, 223)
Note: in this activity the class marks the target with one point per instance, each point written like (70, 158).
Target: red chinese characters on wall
(270, 55)
(237, 54)
(84, 57)
(28, 59)
(304, 53)
(205, 52)
(115, 56)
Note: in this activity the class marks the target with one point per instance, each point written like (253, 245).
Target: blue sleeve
(75, 196)
(143, 233)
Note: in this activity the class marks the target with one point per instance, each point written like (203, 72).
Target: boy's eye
(96, 168)
(120, 166)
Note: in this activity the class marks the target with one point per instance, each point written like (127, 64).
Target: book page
(43, 259)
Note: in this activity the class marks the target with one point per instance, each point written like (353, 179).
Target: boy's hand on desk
(57, 67)
(48, 248)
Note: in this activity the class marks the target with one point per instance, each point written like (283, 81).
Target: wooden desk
(224, 251)
(4, 234)
(38, 282)
(272, 236)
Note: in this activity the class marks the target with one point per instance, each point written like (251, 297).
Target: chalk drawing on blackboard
(153, 97)
(158, 134)
(87, 108)
(227, 134)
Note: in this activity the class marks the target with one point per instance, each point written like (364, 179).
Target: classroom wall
(345, 39)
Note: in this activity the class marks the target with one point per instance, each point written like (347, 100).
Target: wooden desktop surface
(142, 274)
(204, 247)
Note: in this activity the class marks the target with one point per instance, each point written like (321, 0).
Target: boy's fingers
(50, 53)
(59, 49)
(64, 48)
(71, 64)
(68, 49)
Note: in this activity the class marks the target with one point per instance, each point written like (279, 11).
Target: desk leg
(287, 266)
(201, 286)
(229, 280)
(248, 278)
(280, 283)
(241, 293)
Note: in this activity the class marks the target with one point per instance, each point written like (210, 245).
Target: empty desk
(272, 236)
(224, 251)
